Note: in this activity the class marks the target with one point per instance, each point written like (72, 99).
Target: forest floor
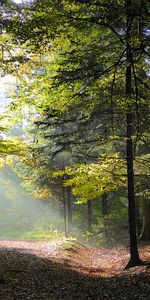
(60, 270)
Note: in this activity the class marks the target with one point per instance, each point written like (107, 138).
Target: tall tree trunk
(89, 214)
(134, 256)
(65, 212)
(104, 205)
(69, 204)
(105, 212)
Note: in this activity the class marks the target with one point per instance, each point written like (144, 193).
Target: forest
(74, 149)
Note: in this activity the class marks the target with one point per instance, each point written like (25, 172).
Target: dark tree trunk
(89, 214)
(67, 205)
(69, 202)
(105, 212)
(145, 236)
(65, 212)
(104, 205)
(134, 256)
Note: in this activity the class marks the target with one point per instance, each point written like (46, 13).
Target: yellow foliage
(41, 193)
(88, 181)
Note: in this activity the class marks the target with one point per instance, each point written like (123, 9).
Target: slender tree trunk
(65, 212)
(89, 214)
(104, 205)
(105, 212)
(69, 202)
(134, 256)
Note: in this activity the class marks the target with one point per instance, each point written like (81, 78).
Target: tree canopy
(84, 85)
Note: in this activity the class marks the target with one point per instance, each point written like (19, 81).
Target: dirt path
(57, 270)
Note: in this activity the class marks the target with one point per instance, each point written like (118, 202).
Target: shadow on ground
(24, 276)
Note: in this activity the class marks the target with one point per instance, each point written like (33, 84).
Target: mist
(21, 216)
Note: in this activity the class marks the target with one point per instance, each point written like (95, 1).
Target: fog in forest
(21, 216)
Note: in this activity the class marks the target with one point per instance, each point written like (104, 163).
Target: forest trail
(64, 270)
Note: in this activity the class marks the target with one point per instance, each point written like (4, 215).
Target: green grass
(37, 233)
(42, 234)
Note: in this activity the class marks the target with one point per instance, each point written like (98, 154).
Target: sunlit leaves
(88, 181)
(42, 193)
(10, 146)
(84, 76)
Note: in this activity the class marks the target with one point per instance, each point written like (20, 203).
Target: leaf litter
(53, 270)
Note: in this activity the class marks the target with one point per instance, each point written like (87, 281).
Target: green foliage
(42, 233)
(89, 181)
(11, 147)
(76, 95)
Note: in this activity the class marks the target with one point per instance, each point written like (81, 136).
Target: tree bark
(105, 212)
(69, 204)
(65, 212)
(134, 255)
(89, 214)
(104, 205)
